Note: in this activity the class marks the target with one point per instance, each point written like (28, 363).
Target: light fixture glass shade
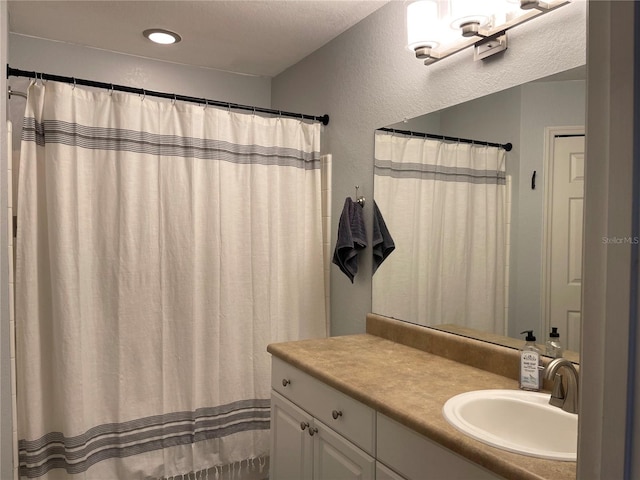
(471, 11)
(422, 24)
(507, 11)
(164, 37)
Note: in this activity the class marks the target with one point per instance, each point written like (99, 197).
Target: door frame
(550, 134)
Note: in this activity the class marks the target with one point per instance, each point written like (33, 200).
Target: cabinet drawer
(353, 420)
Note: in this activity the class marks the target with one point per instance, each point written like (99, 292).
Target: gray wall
(366, 79)
(34, 54)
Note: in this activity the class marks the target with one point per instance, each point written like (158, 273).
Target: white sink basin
(517, 421)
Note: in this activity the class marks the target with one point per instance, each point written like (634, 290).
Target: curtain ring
(175, 99)
(111, 92)
(144, 94)
(206, 104)
(74, 83)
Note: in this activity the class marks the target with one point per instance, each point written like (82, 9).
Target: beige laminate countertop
(411, 386)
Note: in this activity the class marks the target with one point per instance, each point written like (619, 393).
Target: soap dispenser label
(529, 373)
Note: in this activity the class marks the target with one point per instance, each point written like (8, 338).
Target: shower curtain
(444, 206)
(161, 247)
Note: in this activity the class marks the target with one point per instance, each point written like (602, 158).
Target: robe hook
(360, 200)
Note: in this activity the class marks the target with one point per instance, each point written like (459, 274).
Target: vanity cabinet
(317, 433)
(384, 473)
(416, 457)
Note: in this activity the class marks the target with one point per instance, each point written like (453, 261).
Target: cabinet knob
(303, 425)
(336, 413)
(312, 431)
(285, 382)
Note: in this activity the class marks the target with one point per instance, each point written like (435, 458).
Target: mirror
(540, 224)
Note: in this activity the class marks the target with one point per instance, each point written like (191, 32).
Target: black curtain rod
(506, 146)
(140, 91)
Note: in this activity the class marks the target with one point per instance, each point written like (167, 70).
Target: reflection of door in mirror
(562, 252)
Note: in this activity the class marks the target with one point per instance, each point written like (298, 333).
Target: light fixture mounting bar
(498, 31)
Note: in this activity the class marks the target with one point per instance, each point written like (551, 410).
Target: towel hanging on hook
(352, 238)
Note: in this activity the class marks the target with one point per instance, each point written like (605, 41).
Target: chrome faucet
(568, 400)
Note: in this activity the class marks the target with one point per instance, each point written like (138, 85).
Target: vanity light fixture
(437, 29)
(164, 37)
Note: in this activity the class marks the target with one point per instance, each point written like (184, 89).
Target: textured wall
(28, 53)
(366, 79)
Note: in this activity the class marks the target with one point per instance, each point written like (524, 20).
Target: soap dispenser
(553, 345)
(530, 364)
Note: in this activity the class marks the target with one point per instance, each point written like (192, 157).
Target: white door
(566, 210)
(291, 445)
(335, 458)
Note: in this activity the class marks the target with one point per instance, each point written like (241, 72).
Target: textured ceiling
(251, 37)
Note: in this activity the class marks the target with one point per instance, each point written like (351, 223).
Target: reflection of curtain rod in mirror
(506, 146)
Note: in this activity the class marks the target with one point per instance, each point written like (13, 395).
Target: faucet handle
(558, 388)
(558, 394)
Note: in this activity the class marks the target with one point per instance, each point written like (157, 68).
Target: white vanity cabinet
(416, 457)
(384, 473)
(317, 433)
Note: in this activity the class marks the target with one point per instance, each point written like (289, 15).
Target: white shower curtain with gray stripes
(161, 246)
(444, 205)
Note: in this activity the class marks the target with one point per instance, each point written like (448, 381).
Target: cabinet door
(291, 445)
(384, 473)
(419, 458)
(335, 458)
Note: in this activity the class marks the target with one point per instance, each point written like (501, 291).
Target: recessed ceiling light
(165, 37)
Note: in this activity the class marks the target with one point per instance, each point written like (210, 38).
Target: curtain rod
(171, 96)
(506, 146)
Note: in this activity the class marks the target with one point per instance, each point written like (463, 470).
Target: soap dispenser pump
(530, 364)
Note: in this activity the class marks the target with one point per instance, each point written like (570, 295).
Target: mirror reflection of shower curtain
(161, 247)
(444, 204)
